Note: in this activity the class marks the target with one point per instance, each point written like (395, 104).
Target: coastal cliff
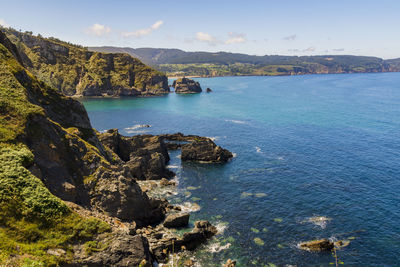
(68, 194)
(75, 71)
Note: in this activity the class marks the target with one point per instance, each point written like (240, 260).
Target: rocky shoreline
(145, 157)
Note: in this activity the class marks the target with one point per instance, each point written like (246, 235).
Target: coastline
(278, 75)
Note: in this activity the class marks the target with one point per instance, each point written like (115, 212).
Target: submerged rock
(177, 220)
(317, 245)
(205, 150)
(208, 90)
(230, 263)
(186, 86)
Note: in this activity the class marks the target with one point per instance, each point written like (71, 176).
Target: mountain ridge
(209, 64)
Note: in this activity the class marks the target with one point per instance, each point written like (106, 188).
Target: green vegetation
(33, 222)
(74, 70)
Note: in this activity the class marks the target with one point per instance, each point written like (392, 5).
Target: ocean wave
(215, 138)
(236, 121)
(234, 155)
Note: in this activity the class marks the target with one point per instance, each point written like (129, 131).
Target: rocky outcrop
(162, 244)
(75, 71)
(204, 150)
(177, 220)
(208, 90)
(317, 245)
(186, 86)
(120, 250)
(144, 155)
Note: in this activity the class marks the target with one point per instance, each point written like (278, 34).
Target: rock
(177, 220)
(188, 263)
(122, 250)
(144, 155)
(201, 232)
(165, 182)
(317, 245)
(230, 263)
(58, 252)
(204, 150)
(208, 90)
(186, 86)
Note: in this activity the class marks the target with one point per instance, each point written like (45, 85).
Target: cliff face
(75, 71)
(50, 153)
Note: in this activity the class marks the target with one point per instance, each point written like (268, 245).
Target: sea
(316, 156)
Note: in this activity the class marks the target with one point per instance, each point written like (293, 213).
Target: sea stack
(186, 86)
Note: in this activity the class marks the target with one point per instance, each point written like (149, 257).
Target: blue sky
(286, 27)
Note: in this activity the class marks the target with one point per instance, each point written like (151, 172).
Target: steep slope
(75, 71)
(50, 153)
(178, 62)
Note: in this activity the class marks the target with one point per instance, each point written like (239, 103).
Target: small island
(186, 86)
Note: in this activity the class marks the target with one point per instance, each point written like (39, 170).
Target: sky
(277, 27)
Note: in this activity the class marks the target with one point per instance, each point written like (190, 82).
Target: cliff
(75, 71)
(55, 175)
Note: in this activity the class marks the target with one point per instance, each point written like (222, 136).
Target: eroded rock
(317, 245)
(204, 150)
(177, 220)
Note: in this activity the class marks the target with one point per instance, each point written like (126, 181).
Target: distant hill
(179, 62)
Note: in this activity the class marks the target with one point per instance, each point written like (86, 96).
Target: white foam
(258, 150)
(189, 207)
(236, 121)
(173, 166)
(137, 126)
(234, 155)
(217, 247)
(320, 221)
(280, 158)
(215, 138)
(221, 227)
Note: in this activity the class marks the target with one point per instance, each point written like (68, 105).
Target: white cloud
(142, 32)
(3, 23)
(236, 38)
(98, 30)
(205, 37)
(338, 49)
(290, 37)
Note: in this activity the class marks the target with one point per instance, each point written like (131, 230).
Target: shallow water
(306, 146)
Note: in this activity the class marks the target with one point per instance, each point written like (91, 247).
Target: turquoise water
(316, 145)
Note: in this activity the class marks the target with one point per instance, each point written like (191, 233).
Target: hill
(178, 62)
(76, 71)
